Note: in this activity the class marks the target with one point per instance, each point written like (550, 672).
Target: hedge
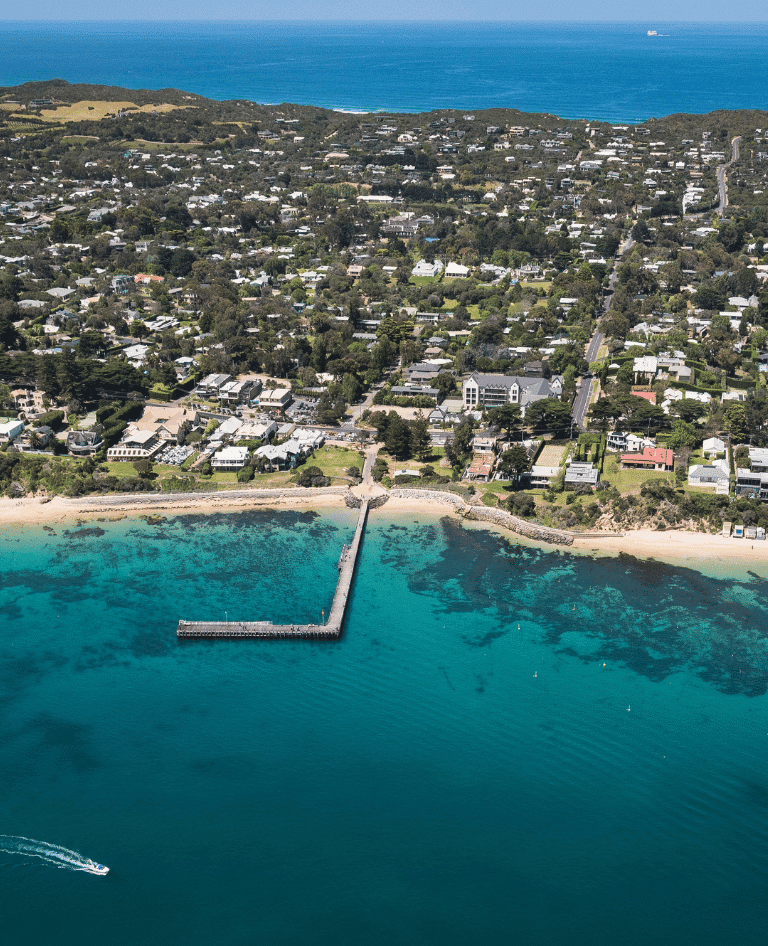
(52, 419)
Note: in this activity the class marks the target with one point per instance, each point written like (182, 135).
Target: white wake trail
(52, 854)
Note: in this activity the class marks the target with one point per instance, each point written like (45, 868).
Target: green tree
(421, 444)
(138, 329)
(508, 417)
(736, 422)
(398, 442)
(548, 413)
(683, 435)
(351, 388)
(514, 461)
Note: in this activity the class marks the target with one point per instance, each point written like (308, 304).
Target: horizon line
(348, 20)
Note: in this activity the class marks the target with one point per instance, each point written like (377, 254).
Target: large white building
(495, 390)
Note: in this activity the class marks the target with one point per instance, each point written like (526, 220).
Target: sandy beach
(678, 547)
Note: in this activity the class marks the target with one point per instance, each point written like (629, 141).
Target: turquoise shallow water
(507, 742)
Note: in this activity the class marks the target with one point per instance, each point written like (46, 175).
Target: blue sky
(653, 11)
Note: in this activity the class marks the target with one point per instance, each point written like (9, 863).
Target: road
(721, 181)
(584, 393)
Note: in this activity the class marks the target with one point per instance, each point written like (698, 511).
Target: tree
(143, 467)
(736, 422)
(604, 409)
(380, 422)
(688, 409)
(683, 435)
(398, 440)
(138, 329)
(421, 443)
(508, 417)
(462, 439)
(351, 388)
(548, 413)
(312, 476)
(514, 461)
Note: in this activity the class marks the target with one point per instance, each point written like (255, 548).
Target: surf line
(52, 854)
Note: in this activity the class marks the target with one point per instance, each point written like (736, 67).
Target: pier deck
(265, 629)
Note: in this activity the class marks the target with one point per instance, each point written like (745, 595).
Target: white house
(712, 446)
(10, 430)
(456, 271)
(276, 398)
(423, 268)
(230, 458)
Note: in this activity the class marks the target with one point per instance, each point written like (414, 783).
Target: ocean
(609, 71)
(507, 744)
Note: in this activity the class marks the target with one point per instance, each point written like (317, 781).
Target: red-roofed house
(645, 395)
(652, 458)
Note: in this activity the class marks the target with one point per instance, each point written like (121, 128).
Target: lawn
(630, 481)
(335, 461)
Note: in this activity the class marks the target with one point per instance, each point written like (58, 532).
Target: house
(422, 371)
(239, 392)
(136, 445)
(34, 438)
(408, 390)
(136, 354)
(275, 398)
(581, 474)
(712, 446)
(645, 368)
(31, 402)
(257, 430)
(758, 459)
(495, 390)
(230, 458)
(10, 430)
(652, 458)
(456, 271)
(541, 476)
(484, 441)
(481, 467)
(163, 420)
(282, 456)
(209, 386)
(717, 475)
(84, 443)
(425, 269)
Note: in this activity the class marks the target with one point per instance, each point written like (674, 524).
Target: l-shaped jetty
(331, 630)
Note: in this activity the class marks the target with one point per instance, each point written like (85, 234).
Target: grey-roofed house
(581, 474)
(717, 475)
(495, 390)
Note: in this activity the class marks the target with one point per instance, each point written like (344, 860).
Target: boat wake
(52, 854)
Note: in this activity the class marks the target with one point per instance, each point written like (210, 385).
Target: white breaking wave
(51, 854)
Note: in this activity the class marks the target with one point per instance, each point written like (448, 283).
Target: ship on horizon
(653, 32)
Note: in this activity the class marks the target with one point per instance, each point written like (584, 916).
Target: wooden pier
(331, 630)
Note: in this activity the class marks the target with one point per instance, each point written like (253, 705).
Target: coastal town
(563, 321)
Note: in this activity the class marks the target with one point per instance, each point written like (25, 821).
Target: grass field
(335, 461)
(96, 110)
(630, 481)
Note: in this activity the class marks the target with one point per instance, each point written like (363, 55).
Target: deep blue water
(610, 71)
(507, 745)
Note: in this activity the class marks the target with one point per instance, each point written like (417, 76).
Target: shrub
(245, 475)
